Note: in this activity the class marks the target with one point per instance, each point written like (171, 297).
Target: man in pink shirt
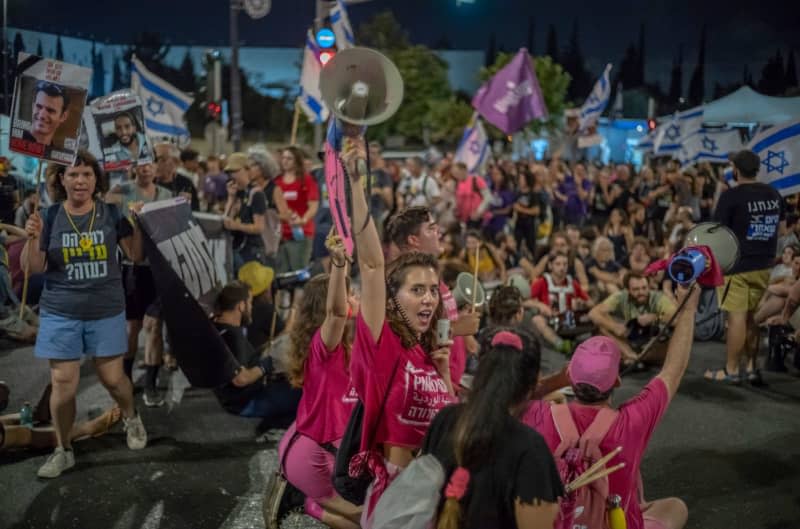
(593, 373)
(415, 229)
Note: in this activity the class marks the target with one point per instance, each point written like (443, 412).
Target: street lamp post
(236, 86)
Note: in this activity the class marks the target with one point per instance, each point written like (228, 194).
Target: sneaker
(59, 461)
(152, 398)
(137, 435)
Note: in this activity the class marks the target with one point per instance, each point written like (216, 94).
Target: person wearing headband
(499, 472)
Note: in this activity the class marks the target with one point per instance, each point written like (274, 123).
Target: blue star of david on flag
(673, 132)
(155, 106)
(709, 144)
(775, 161)
(475, 146)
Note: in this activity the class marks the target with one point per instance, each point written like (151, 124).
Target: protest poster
(187, 279)
(120, 134)
(49, 97)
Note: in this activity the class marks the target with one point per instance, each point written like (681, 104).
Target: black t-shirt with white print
(753, 212)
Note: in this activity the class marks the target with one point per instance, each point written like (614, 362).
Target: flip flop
(726, 378)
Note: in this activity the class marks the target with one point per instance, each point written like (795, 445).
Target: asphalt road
(731, 453)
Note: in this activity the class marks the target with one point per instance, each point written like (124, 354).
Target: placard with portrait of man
(49, 97)
(121, 134)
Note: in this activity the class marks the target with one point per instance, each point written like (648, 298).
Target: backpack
(585, 507)
(412, 500)
(352, 482)
(271, 234)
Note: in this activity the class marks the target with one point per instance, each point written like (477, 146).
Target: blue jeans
(276, 404)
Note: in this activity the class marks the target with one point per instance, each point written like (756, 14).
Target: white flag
(597, 101)
(310, 98)
(164, 106)
(340, 24)
(670, 135)
(473, 149)
(778, 147)
(710, 146)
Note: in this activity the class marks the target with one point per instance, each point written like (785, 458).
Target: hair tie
(458, 483)
(508, 338)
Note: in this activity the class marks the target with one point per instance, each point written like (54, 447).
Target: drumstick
(600, 463)
(578, 483)
(475, 276)
(28, 262)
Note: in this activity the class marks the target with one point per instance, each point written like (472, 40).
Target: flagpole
(236, 86)
(27, 271)
(295, 123)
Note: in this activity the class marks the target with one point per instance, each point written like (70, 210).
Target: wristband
(266, 365)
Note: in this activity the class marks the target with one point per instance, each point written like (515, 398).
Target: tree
(491, 51)
(676, 78)
(98, 73)
(19, 45)
(551, 48)
(59, 49)
(698, 81)
(773, 77)
(531, 35)
(628, 74)
(553, 81)
(117, 78)
(791, 71)
(573, 63)
(383, 32)
(188, 82)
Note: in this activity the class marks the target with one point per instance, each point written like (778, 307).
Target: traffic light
(325, 56)
(651, 124)
(214, 110)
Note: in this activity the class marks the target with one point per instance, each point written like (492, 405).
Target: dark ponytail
(506, 377)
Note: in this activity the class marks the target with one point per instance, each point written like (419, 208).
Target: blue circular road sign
(326, 38)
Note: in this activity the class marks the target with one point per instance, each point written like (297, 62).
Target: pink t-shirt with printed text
(467, 200)
(632, 430)
(415, 394)
(328, 397)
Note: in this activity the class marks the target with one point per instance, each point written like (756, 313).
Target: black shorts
(140, 291)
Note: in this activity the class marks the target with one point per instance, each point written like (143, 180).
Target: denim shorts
(62, 338)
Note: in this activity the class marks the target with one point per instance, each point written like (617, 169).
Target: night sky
(740, 32)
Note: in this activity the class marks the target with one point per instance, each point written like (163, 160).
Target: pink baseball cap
(596, 363)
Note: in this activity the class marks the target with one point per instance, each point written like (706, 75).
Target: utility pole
(6, 108)
(236, 83)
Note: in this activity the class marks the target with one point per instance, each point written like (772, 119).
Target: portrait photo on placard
(49, 97)
(123, 138)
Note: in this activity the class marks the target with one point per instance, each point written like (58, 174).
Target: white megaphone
(689, 264)
(464, 294)
(361, 86)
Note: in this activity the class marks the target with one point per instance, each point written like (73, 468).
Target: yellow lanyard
(85, 240)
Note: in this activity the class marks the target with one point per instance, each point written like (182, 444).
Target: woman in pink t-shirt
(397, 360)
(318, 363)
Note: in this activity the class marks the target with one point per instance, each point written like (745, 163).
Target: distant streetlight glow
(459, 2)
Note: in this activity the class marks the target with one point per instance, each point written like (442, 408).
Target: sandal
(755, 379)
(726, 378)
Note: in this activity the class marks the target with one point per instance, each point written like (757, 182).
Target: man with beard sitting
(633, 316)
(255, 390)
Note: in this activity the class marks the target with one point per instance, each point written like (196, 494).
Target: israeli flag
(646, 142)
(340, 24)
(163, 105)
(779, 150)
(473, 150)
(670, 136)
(709, 146)
(310, 98)
(597, 101)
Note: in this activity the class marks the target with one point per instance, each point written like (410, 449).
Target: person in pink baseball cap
(593, 373)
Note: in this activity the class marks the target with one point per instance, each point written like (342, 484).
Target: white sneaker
(59, 461)
(137, 435)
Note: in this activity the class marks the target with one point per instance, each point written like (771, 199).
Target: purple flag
(511, 98)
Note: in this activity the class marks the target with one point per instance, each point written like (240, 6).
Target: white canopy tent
(745, 105)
